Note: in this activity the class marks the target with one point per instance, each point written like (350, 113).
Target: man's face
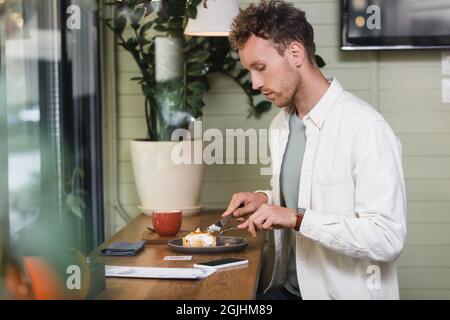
(270, 72)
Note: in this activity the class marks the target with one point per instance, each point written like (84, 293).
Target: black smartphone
(221, 263)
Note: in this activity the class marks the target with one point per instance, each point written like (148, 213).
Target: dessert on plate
(198, 238)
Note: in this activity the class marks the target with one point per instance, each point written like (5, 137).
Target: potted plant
(173, 78)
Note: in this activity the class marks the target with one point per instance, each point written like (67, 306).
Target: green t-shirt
(290, 181)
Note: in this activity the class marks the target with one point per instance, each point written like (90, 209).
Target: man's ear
(297, 53)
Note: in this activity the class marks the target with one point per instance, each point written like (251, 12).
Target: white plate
(189, 211)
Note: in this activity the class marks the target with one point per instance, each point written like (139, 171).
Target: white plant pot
(162, 184)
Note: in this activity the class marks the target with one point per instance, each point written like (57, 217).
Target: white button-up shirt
(352, 186)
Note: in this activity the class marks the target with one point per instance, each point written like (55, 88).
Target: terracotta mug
(167, 222)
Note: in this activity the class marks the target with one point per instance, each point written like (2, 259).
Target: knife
(219, 225)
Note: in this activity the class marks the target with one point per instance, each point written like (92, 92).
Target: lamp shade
(214, 21)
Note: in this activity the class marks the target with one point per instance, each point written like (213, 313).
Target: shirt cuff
(311, 225)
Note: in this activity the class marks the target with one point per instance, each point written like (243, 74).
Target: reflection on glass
(22, 99)
(52, 119)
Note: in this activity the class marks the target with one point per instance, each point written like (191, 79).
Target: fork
(229, 229)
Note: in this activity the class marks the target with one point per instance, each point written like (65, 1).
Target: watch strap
(299, 214)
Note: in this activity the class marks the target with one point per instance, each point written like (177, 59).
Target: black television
(395, 24)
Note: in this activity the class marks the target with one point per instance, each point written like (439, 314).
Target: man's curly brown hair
(274, 20)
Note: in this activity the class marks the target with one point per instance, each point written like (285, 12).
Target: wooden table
(235, 283)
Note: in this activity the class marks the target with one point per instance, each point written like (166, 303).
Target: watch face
(301, 210)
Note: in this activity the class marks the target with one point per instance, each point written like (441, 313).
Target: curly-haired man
(337, 203)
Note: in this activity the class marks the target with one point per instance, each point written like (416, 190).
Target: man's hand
(269, 217)
(243, 203)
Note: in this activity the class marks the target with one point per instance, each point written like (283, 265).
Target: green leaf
(229, 63)
(176, 33)
(201, 40)
(195, 101)
(176, 8)
(132, 43)
(199, 56)
(191, 12)
(198, 70)
(242, 74)
(176, 24)
(136, 17)
(161, 28)
(263, 106)
(120, 24)
(254, 92)
(187, 47)
(151, 48)
(197, 86)
(320, 62)
(143, 42)
(162, 20)
(247, 85)
(145, 27)
(195, 3)
(196, 113)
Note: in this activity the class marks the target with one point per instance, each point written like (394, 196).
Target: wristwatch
(299, 213)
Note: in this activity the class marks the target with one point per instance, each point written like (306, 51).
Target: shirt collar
(319, 112)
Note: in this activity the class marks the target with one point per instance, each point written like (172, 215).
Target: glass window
(50, 125)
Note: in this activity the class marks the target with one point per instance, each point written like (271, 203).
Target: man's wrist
(266, 198)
